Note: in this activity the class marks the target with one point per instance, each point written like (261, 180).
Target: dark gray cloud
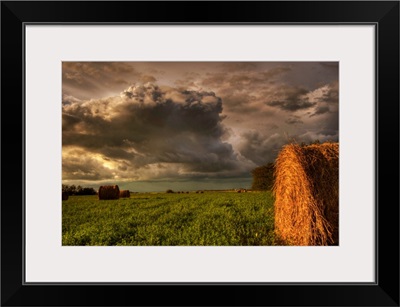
(331, 96)
(294, 120)
(147, 124)
(262, 149)
(294, 99)
(241, 103)
(291, 105)
(320, 135)
(259, 148)
(320, 110)
(185, 120)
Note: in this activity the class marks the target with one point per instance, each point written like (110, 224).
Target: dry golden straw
(306, 192)
(124, 194)
(108, 192)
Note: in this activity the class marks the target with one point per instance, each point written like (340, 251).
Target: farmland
(170, 219)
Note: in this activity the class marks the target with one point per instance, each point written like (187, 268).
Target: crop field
(159, 219)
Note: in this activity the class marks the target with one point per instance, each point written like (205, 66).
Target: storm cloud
(147, 128)
(259, 148)
(294, 120)
(320, 110)
(293, 99)
(190, 121)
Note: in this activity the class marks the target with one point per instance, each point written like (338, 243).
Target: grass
(208, 219)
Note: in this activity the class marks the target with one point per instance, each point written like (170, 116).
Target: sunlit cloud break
(189, 122)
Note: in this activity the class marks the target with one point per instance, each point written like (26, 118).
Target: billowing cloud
(193, 121)
(147, 127)
(260, 148)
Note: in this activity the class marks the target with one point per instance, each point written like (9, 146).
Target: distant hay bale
(124, 194)
(306, 190)
(108, 192)
(64, 196)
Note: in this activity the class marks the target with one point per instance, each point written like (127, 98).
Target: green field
(208, 219)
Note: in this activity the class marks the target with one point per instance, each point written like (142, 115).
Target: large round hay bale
(64, 196)
(306, 190)
(108, 192)
(124, 194)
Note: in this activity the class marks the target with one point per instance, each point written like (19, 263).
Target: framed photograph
(187, 153)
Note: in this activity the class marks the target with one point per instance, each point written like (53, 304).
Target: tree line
(78, 190)
(263, 177)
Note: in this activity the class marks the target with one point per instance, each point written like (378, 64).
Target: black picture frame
(383, 14)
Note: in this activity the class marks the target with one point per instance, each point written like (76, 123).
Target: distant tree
(64, 188)
(90, 191)
(263, 177)
(86, 191)
(169, 191)
(78, 190)
(73, 190)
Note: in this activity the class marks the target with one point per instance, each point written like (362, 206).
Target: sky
(153, 126)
